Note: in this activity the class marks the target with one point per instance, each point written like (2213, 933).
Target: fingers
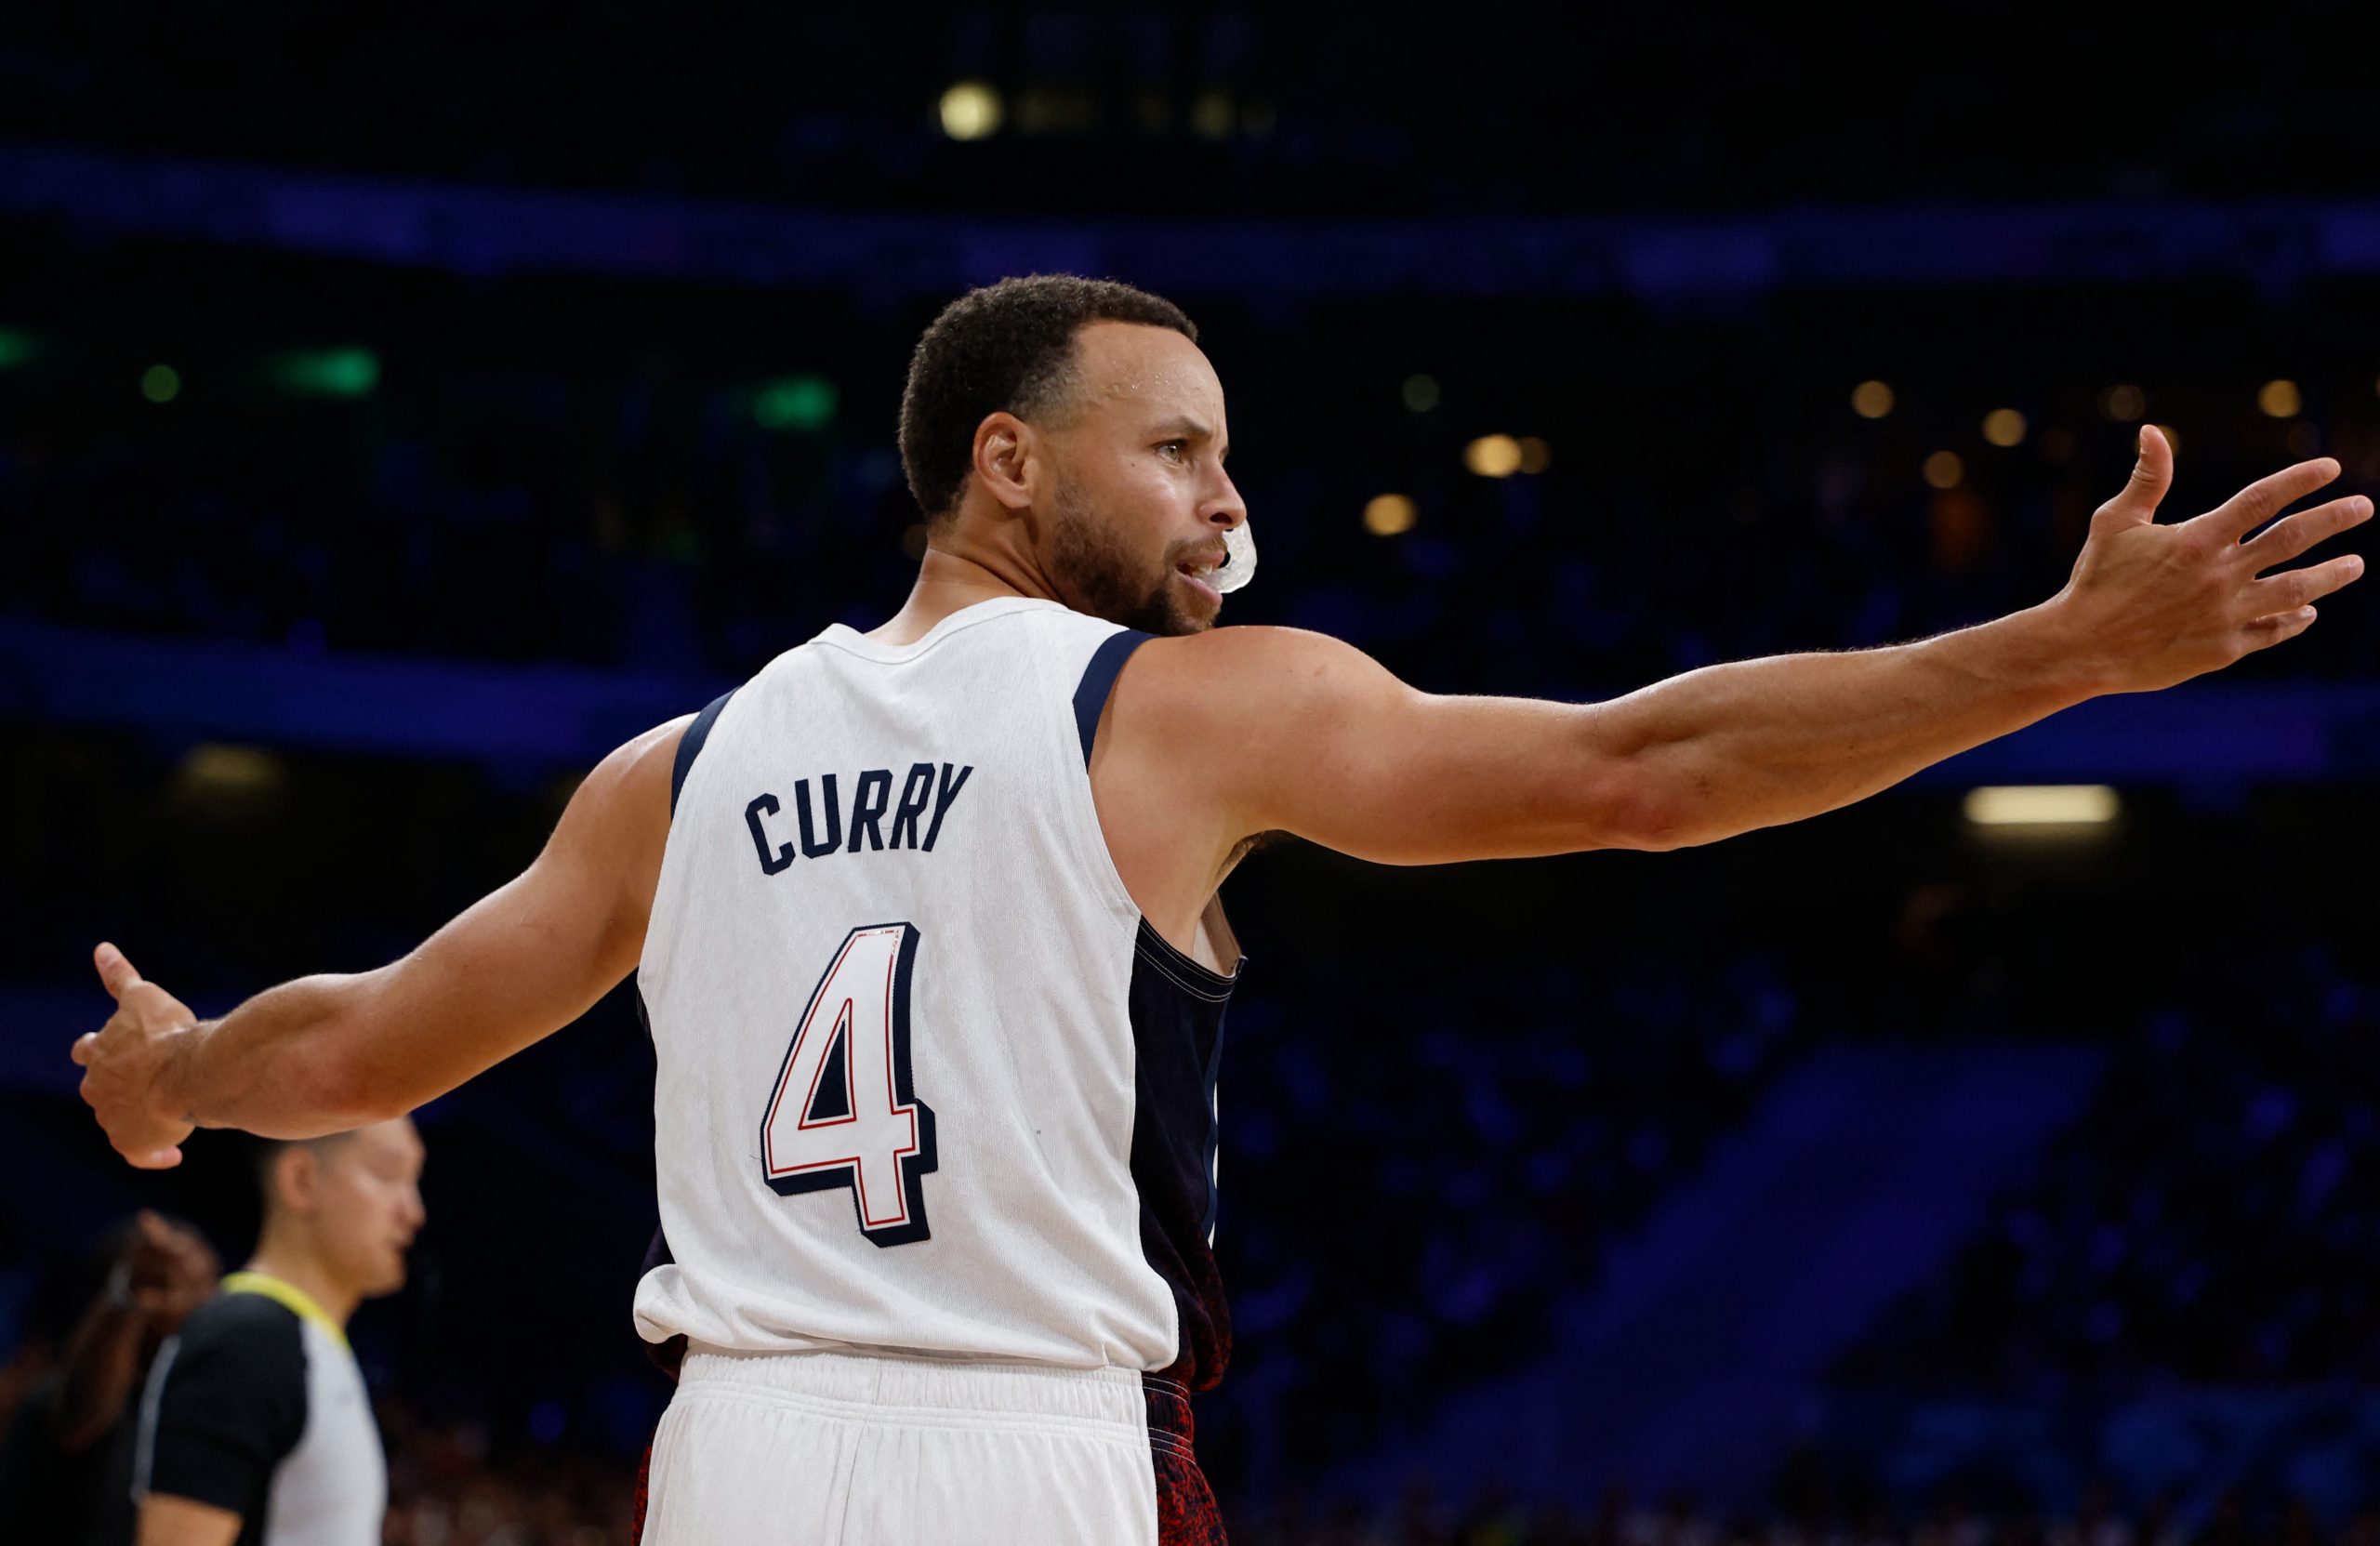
(2266, 498)
(2152, 474)
(154, 1159)
(115, 972)
(83, 1045)
(2291, 535)
(2294, 589)
(2265, 632)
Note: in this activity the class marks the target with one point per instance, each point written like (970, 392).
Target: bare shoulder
(1250, 646)
(1249, 672)
(640, 767)
(1279, 730)
(621, 809)
(1247, 730)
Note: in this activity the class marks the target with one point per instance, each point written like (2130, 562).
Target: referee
(254, 1427)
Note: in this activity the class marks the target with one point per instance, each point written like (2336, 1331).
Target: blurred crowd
(1694, 500)
(1419, 1519)
(444, 1494)
(1423, 1210)
(446, 1490)
(2214, 1219)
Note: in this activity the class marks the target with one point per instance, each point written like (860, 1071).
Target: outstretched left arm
(326, 1053)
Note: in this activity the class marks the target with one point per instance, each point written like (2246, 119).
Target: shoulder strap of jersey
(1099, 681)
(690, 745)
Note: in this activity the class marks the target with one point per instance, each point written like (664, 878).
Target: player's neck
(949, 581)
(304, 1270)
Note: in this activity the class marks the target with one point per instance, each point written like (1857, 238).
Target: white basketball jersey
(927, 1081)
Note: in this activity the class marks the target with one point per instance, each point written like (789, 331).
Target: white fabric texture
(1019, 1037)
(334, 1486)
(839, 1450)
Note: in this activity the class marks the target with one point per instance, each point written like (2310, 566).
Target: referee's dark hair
(264, 1157)
(1007, 347)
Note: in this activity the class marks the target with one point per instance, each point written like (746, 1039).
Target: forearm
(101, 1362)
(328, 1054)
(281, 1066)
(1733, 747)
(325, 1054)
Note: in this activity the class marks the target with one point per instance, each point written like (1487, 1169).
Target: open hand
(2153, 606)
(122, 1061)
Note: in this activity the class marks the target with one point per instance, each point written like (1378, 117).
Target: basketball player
(255, 1428)
(925, 923)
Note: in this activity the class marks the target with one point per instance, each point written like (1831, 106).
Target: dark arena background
(399, 409)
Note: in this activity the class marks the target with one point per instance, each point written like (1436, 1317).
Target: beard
(1101, 576)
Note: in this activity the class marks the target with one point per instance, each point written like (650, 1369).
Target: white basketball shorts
(838, 1450)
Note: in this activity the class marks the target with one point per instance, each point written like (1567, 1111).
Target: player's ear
(296, 1178)
(1006, 448)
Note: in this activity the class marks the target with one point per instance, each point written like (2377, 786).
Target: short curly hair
(1006, 348)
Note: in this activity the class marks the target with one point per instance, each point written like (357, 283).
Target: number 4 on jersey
(843, 1113)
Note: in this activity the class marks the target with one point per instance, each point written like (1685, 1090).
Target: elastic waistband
(1105, 1395)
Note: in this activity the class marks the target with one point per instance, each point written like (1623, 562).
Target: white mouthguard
(1239, 560)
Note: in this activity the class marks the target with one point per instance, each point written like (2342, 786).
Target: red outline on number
(850, 1095)
(893, 1107)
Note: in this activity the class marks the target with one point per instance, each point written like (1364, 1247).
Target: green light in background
(15, 347)
(795, 403)
(330, 372)
(160, 383)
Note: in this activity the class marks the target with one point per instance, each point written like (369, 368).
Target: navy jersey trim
(1099, 681)
(1192, 977)
(690, 745)
(1176, 1007)
(1196, 980)
(669, 1353)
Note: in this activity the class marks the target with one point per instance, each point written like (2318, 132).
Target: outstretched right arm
(1258, 729)
(323, 1054)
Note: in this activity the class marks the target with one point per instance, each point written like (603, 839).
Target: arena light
(1536, 455)
(1493, 456)
(2280, 399)
(1421, 394)
(795, 403)
(216, 768)
(15, 347)
(160, 383)
(1871, 400)
(1389, 515)
(971, 110)
(330, 372)
(1944, 469)
(2124, 403)
(2003, 427)
(1211, 116)
(2042, 805)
